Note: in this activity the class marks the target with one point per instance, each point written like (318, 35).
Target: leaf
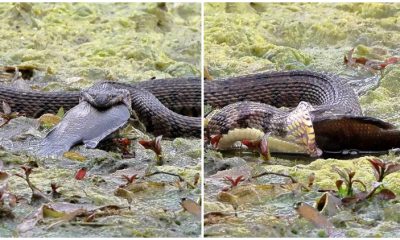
(68, 217)
(260, 145)
(238, 180)
(130, 179)
(196, 179)
(360, 182)
(215, 217)
(127, 195)
(154, 145)
(350, 200)
(351, 174)
(214, 140)
(149, 170)
(29, 222)
(228, 198)
(377, 166)
(312, 215)
(80, 174)
(391, 168)
(386, 194)
(339, 184)
(60, 112)
(49, 120)
(74, 156)
(234, 182)
(230, 179)
(54, 187)
(51, 212)
(27, 170)
(264, 148)
(341, 173)
(6, 108)
(158, 145)
(191, 206)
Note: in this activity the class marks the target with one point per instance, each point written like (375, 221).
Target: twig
(278, 174)
(172, 174)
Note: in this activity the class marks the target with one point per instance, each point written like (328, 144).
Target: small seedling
(129, 179)
(37, 194)
(382, 169)
(154, 145)
(54, 186)
(347, 179)
(233, 182)
(123, 144)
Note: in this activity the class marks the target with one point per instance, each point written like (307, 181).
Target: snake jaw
(214, 140)
(300, 127)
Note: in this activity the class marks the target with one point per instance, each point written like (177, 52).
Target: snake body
(158, 104)
(334, 111)
(327, 93)
(163, 105)
(267, 92)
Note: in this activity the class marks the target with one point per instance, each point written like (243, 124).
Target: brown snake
(329, 111)
(160, 104)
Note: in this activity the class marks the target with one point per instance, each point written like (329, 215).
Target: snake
(166, 107)
(318, 111)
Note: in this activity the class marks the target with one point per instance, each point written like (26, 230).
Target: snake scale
(246, 101)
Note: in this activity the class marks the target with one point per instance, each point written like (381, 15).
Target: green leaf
(60, 112)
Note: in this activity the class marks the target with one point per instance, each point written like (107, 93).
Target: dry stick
(172, 174)
(278, 174)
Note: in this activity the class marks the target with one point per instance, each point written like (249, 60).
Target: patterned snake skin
(309, 100)
(156, 102)
(160, 103)
(327, 94)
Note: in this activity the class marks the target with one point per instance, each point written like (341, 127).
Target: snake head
(103, 96)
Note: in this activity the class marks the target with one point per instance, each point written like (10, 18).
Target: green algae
(242, 38)
(135, 41)
(382, 102)
(232, 31)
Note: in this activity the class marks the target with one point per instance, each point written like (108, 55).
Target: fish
(83, 124)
